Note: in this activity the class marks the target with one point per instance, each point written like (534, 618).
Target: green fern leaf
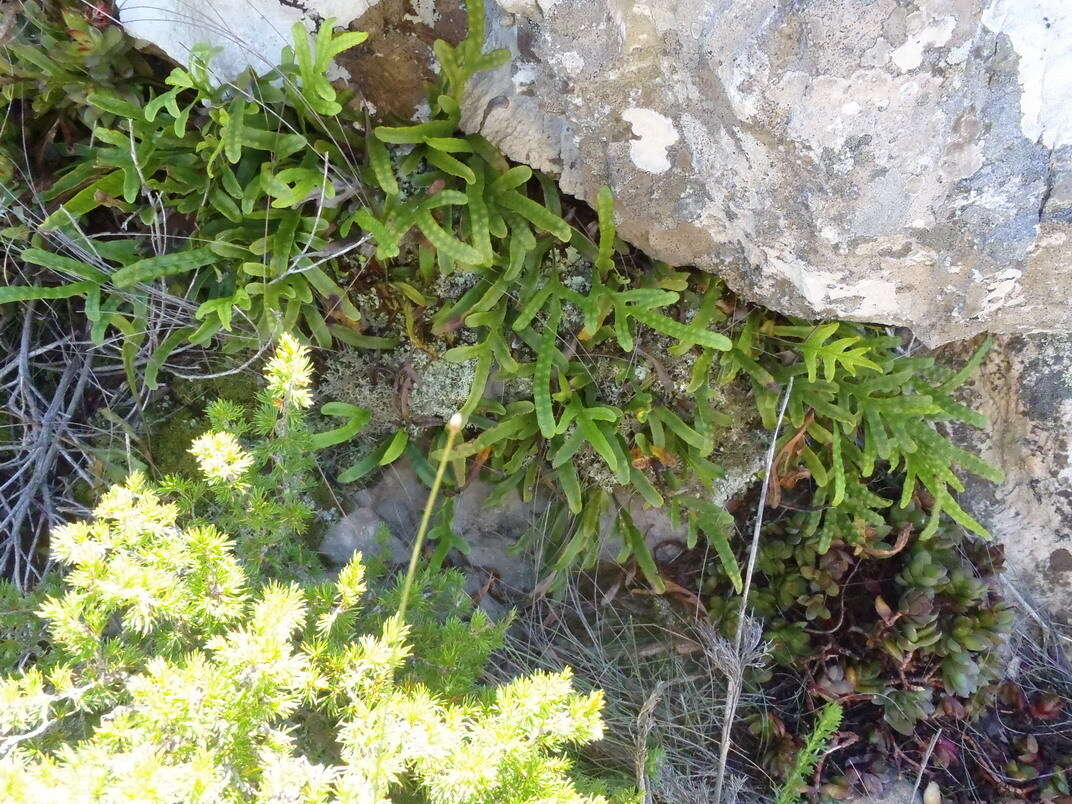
(647, 298)
(414, 135)
(832, 355)
(450, 145)
(58, 262)
(479, 221)
(357, 417)
(512, 179)
(166, 100)
(380, 162)
(958, 378)
(681, 430)
(541, 379)
(491, 60)
(682, 332)
(516, 428)
(605, 211)
(19, 293)
(639, 481)
(638, 548)
(386, 242)
(480, 381)
(334, 44)
(278, 144)
(395, 447)
(113, 104)
(551, 198)
(443, 198)
(450, 165)
(532, 307)
(161, 353)
(489, 153)
(446, 242)
(837, 466)
(569, 447)
(717, 525)
(153, 268)
(85, 201)
(944, 502)
(233, 129)
(315, 89)
(571, 486)
(622, 331)
(537, 214)
(587, 419)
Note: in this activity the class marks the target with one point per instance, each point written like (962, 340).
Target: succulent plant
(898, 628)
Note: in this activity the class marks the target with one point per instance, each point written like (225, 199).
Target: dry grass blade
(734, 662)
(663, 704)
(44, 405)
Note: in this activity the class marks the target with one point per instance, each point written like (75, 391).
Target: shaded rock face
(386, 515)
(899, 162)
(396, 499)
(1025, 388)
(866, 159)
(392, 69)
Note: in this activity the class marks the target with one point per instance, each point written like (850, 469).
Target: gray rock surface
(491, 532)
(395, 502)
(1025, 388)
(898, 792)
(385, 516)
(908, 163)
(362, 531)
(865, 159)
(246, 33)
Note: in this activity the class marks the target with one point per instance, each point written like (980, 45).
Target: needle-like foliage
(173, 670)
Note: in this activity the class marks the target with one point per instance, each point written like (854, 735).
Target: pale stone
(830, 159)
(247, 33)
(1024, 387)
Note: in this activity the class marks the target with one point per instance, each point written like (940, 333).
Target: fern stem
(454, 426)
(926, 755)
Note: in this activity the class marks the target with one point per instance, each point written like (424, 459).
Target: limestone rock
(395, 503)
(246, 33)
(492, 531)
(897, 792)
(1025, 388)
(860, 159)
(390, 71)
(362, 531)
(393, 67)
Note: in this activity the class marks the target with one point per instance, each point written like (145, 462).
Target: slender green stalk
(454, 426)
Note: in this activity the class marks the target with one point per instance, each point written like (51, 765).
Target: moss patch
(169, 441)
